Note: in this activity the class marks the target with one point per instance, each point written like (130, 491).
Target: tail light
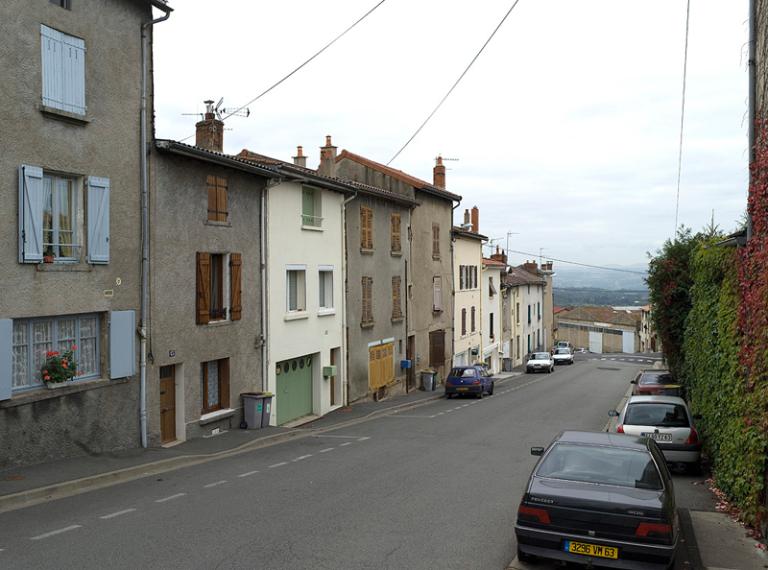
(654, 530)
(533, 514)
(619, 428)
(476, 382)
(693, 438)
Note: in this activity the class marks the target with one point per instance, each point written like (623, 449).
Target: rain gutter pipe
(344, 340)
(752, 67)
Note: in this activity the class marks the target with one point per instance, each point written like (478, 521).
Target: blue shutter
(30, 214)
(122, 344)
(98, 220)
(73, 69)
(51, 49)
(6, 358)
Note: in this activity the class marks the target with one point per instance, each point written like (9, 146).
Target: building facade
(526, 292)
(491, 314)
(600, 329)
(467, 302)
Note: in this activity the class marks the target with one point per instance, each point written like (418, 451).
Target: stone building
(600, 329)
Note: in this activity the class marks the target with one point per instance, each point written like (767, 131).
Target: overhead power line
(463, 73)
(580, 264)
(325, 47)
(682, 117)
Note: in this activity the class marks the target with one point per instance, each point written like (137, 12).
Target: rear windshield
(463, 372)
(562, 351)
(661, 415)
(657, 379)
(541, 356)
(597, 464)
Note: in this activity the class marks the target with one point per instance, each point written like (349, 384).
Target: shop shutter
(98, 220)
(30, 214)
(6, 358)
(122, 344)
(235, 286)
(203, 305)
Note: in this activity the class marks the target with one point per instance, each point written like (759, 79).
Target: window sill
(296, 316)
(366, 251)
(368, 325)
(73, 266)
(217, 224)
(312, 228)
(397, 319)
(437, 310)
(326, 312)
(215, 416)
(41, 394)
(219, 323)
(66, 116)
(396, 253)
(435, 258)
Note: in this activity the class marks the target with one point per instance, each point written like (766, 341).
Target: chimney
(467, 224)
(439, 173)
(499, 256)
(475, 220)
(531, 267)
(210, 131)
(300, 159)
(327, 159)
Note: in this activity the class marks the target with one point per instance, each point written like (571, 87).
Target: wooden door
(167, 403)
(381, 367)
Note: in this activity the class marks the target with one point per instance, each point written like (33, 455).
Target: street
(435, 486)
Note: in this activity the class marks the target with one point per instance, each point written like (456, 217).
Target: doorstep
(301, 421)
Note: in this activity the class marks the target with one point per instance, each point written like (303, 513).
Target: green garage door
(294, 389)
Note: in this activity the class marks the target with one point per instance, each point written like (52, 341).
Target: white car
(668, 421)
(540, 362)
(563, 356)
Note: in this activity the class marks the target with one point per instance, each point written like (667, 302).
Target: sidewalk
(26, 486)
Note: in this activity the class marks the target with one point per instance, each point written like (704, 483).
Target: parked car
(656, 383)
(563, 356)
(668, 421)
(563, 344)
(468, 380)
(599, 499)
(540, 361)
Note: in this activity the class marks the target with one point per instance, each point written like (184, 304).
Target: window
(326, 288)
(63, 3)
(463, 322)
(311, 208)
(473, 276)
(63, 68)
(529, 343)
(435, 241)
(538, 310)
(517, 347)
(297, 289)
(529, 313)
(367, 301)
(32, 338)
(517, 312)
(462, 277)
(472, 320)
(219, 292)
(491, 334)
(217, 199)
(397, 312)
(59, 214)
(395, 227)
(437, 293)
(366, 228)
(215, 377)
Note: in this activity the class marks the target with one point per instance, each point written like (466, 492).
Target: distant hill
(573, 276)
(572, 297)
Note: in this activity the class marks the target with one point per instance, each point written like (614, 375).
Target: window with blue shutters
(98, 220)
(63, 71)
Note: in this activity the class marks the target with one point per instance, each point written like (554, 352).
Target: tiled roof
(210, 155)
(466, 233)
(493, 263)
(417, 183)
(597, 314)
(517, 276)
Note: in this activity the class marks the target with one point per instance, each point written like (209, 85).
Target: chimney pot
(466, 217)
(475, 219)
(438, 173)
(300, 159)
(327, 159)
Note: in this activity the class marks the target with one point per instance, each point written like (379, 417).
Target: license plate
(591, 549)
(658, 436)
(462, 389)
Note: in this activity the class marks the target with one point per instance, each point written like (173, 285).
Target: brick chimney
(531, 267)
(327, 159)
(300, 159)
(475, 220)
(499, 256)
(438, 173)
(467, 223)
(209, 132)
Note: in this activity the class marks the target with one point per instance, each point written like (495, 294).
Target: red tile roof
(600, 314)
(493, 263)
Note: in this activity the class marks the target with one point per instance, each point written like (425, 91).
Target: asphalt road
(432, 487)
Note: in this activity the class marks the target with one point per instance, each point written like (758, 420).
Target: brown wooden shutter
(367, 283)
(366, 228)
(224, 383)
(235, 286)
(435, 240)
(203, 287)
(221, 199)
(463, 322)
(212, 198)
(397, 312)
(396, 232)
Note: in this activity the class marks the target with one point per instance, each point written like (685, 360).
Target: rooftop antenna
(219, 112)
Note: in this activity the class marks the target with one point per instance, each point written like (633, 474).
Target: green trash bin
(253, 409)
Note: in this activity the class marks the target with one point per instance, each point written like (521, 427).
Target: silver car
(668, 421)
(540, 362)
(563, 356)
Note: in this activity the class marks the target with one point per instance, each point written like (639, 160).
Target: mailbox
(405, 364)
(329, 371)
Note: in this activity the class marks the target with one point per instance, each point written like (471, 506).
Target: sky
(565, 130)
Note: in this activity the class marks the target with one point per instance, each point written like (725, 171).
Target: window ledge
(66, 116)
(219, 323)
(326, 312)
(215, 416)
(73, 266)
(40, 394)
(312, 228)
(396, 253)
(436, 258)
(296, 316)
(217, 224)
(397, 319)
(368, 325)
(366, 251)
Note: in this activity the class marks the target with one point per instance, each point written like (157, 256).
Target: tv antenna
(218, 112)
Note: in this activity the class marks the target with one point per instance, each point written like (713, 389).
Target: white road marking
(117, 514)
(366, 438)
(339, 436)
(302, 458)
(55, 532)
(603, 359)
(465, 405)
(278, 464)
(457, 408)
(448, 411)
(176, 496)
(216, 484)
(345, 443)
(326, 450)
(248, 474)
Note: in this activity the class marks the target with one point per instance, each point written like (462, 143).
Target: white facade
(467, 275)
(490, 332)
(527, 329)
(304, 294)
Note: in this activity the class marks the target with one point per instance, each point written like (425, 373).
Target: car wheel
(480, 394)
(524, 556)
(693, 468)
(448, 396)
(490, 392)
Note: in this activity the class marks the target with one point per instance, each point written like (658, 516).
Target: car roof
(654, 372)
(603, 438)
(656, 400)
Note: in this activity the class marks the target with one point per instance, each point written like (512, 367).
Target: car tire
(524, 556)
(490, 392)
(693, 468)
(448, 396)
(480, 394)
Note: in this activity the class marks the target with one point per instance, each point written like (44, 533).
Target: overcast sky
(566, 128)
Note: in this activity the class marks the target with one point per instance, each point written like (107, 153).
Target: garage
(596, 342)
(294, 389)
(381, 366)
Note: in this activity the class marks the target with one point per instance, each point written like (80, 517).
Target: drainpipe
(344, 340)
(453, 292)
(146, 49)
(752, 96)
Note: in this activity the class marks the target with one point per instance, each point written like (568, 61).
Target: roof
(600, 314)
(656, 400)
(417, 183)
(467, 234)
(493, 263)
(517, 276)
(603, 438)
(190, 151)
(736, 239)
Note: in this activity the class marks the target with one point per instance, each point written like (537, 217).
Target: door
(595, 342)
(332, 380)
(381, 366)
(437, 351)
(294, 389)
(410, 352)
(167, 403)
(628, 342)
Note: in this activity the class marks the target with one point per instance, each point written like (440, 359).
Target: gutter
(146, 50)
(453, 291)
(221, 159)
(345, 330)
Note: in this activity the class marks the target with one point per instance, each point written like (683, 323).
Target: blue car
(469, 380)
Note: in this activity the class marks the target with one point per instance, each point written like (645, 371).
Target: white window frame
(75, 209)
(301, 288)
(324, 275)
(314, 221)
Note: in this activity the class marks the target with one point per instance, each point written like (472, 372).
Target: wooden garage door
(381, 366)
(294, 389)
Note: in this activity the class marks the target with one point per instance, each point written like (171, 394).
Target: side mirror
(613, 414)
(537, 451)
(633, 382)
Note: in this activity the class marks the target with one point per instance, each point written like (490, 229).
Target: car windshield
(657, 379)
(463, 372)
(602, 465)
(541, 356)
(656, 414)
(562, 351)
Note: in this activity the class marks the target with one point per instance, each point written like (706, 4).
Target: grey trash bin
(266, 409)
(428, 380)
(253, 409)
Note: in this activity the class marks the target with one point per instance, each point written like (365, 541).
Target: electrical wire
(325, 47)
(682, 116)
(580, 264)
(463, 73)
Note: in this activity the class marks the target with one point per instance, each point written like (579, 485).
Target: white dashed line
(345, 443)
(248, 474)
(278, 464)
(216, 484)
(55, 532)
(465, 405)
(176, 496)
(301, 458)
(326, 450)
(448, 411)
(117, 514)
(366, 438)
